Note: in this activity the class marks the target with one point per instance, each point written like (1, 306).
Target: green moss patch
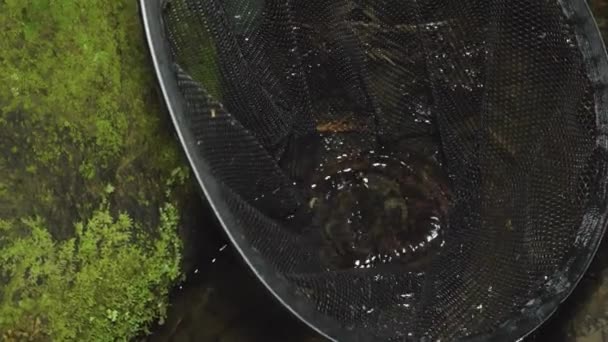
(90, 176)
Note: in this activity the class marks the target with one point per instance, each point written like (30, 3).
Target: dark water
(221, 301)
(378, 206)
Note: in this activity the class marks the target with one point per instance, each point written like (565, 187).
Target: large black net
(396, 169)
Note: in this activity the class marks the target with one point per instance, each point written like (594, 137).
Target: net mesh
(413, 168)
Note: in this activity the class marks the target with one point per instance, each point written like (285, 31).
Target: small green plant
(100, 285)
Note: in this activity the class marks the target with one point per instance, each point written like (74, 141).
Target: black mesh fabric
(496, 94)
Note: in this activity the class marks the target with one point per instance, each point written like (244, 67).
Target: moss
(80, 100)
(80, 117)
(97, 285)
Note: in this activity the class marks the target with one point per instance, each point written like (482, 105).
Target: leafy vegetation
(96, 286)
(86, 163)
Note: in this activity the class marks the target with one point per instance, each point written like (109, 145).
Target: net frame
(557, 289)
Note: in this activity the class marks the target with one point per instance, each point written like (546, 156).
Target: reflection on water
(222, 302)
(378, 207)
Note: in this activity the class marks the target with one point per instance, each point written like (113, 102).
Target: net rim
(151, 16)
(590, 42)
(595, 220)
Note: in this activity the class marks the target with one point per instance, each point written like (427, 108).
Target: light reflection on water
(377, 207)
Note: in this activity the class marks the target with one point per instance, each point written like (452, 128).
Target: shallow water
(221, 301)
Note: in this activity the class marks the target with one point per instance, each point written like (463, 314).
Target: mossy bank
(91, 179)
